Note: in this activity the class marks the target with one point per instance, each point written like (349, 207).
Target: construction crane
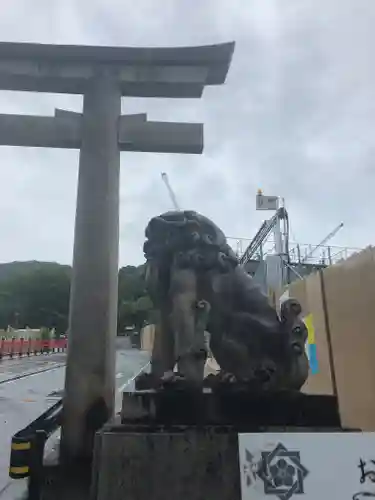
(265, 229)
(323, 242)
(165, 179)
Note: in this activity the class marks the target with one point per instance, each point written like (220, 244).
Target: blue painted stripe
(313, 359)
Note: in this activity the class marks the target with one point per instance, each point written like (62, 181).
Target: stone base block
(181, 464)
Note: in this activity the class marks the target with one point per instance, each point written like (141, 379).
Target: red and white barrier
(11, 348)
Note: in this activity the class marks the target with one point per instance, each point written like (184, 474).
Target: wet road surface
(21, 367)
(24, 396)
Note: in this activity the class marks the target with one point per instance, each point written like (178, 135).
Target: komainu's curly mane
(191, 238)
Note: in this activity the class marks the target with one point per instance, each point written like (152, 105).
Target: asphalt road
(11, 369)
(24, 395)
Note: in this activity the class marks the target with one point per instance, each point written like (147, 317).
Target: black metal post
(36, 478)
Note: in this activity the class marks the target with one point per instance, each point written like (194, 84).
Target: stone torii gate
(102, 75)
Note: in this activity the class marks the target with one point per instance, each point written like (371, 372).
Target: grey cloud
(296, 117)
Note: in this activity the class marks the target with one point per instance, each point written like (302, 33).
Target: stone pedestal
(183, 444)
(229, 404)
(180, 443)
(184, 463)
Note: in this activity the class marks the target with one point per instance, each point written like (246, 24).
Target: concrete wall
(349, 328)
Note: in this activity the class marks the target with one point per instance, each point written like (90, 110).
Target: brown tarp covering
(348, 327)
(308, 292)
(350, 291)
(147, 337)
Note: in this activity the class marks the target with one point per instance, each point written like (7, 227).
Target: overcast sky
(296, 117)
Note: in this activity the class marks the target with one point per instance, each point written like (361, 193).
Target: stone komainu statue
(191, 270)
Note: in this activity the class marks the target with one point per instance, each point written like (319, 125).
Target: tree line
(36, 295)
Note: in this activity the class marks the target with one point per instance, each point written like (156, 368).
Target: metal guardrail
(22, 347)
(27, 449)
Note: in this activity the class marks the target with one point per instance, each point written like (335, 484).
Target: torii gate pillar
(93, 296)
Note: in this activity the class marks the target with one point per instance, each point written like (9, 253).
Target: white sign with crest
(309, 466)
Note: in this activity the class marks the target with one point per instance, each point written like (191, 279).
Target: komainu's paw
(176, 380)
(214, 380)
(170, 377)
(146, 381)
(227, 377)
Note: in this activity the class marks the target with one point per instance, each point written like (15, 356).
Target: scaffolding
(273, 260)
(299, 253)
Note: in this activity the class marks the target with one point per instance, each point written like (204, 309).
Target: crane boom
(165, 179)
(324, 241)
(261, 235)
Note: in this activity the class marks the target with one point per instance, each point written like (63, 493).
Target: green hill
(36, 294)
(12, 269)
